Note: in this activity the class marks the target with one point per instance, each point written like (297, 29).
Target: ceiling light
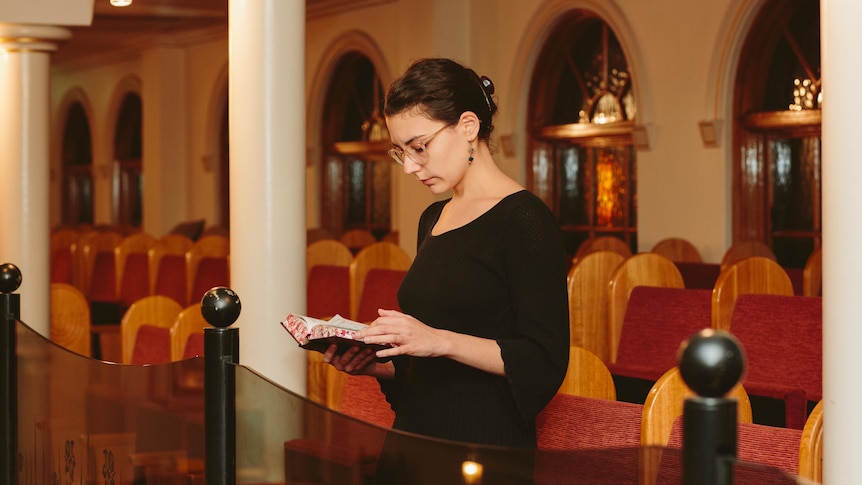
(121, 3)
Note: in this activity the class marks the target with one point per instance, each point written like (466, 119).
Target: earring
(470, 158)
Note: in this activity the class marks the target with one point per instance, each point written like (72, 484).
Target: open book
(316, 334)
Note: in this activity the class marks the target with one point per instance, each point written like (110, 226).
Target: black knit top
(501, 276)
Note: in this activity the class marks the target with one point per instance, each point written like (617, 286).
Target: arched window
(776, 173)
(356, 168)
(77, 162)
(580, 126)
(128, 176)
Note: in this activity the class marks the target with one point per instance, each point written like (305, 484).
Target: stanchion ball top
(220, 307)
(711, 362)
(10, 278)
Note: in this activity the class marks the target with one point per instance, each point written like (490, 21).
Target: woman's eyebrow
(408, 142)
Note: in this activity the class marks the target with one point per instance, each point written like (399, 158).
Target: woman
(481, 344)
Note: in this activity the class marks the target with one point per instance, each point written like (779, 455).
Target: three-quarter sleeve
(536, 358)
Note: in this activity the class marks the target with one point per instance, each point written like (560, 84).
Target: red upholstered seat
(363, 399)
(61, 266)
(328, 291)
(796, 278)
(171, 278)
(152, 345)
(211, 272)
(103, 279)
(135, 282)
(571, 422)
(699, 275)
(657, 321)
(586, 440)
(782, 337)
(380, 291)
(349, 454)
(194, 346)
(775, 447)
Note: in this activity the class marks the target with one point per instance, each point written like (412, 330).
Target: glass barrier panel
(669, 471)
(85, 421)
(746, 473)
(285, 438)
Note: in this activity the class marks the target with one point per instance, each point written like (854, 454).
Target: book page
(340, 322)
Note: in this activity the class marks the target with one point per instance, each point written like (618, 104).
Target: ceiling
(143, 22)
(117, 29)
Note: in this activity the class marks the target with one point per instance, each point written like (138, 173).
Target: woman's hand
(406, 335)
(355, 360)
(409, 336)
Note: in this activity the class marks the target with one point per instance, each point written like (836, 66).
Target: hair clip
(487, 89)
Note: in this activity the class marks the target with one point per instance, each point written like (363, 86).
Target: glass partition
(84, 421)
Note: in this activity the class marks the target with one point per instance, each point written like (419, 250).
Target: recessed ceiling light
(121, 3)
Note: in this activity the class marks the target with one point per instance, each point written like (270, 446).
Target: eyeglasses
(417, 151)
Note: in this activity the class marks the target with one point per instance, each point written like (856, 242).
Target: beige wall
(180, 145)
(681, 54)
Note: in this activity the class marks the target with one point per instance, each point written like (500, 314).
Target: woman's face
(432, 151)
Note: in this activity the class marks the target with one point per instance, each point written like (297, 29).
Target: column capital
(32, 37)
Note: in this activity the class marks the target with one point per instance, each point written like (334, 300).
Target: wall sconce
(472, 472)
(710, 133)
(640, 136)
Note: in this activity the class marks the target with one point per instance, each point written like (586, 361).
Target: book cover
(316, 334)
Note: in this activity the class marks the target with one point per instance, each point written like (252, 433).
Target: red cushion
(194, 346)
(61, 266)
(363, 399)
(103, 280)
(211, 272)
(783, 341)
(380, 291)
(152, 345)
(575, 422)
(699, 275)
(171, 278)
(755, 443)
(796, 279)
(585, 440)
(135, 282)
(328, 291)
(656, 322)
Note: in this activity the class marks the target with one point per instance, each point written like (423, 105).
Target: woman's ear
(470, 124)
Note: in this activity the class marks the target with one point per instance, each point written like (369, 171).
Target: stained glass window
(356, 181)
(777, 165)
(582, 113)
(77, 161)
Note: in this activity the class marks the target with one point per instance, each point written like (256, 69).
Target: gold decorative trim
(361, 147)
(782, 119)
(586, 130)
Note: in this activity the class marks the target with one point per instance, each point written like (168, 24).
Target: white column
(267, 181)
(24, 161)
(841, 34)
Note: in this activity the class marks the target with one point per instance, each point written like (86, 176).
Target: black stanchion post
(220, 307)
(10, 312)
(711, 363)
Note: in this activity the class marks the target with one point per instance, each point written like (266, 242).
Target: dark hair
(443, 90)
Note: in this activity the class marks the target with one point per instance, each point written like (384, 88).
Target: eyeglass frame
(398, 153)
